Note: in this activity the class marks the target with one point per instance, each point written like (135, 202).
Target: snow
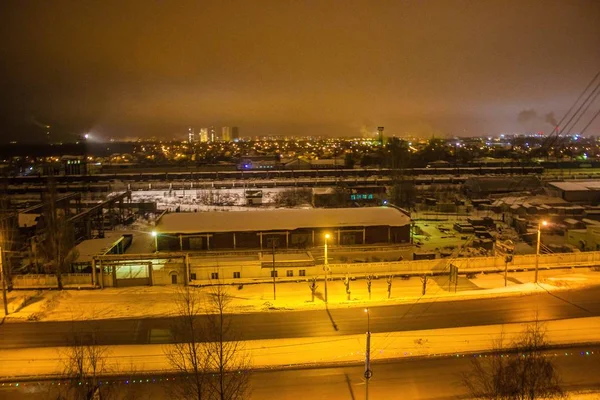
(281, 219)
(299, 352)
(202, 199)
(156, 301)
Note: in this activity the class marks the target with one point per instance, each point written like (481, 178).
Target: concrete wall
(49, 281)
(251, 269)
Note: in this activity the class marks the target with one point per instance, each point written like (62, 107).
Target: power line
(554, 136)
(591, 120)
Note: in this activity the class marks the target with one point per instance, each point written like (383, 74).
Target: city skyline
(300, 69)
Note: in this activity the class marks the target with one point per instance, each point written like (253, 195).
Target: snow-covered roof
(28, 220)
(92, 247)
(280, 219)
(576, 186)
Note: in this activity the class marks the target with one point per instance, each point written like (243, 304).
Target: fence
(49, 281)
(251, 269)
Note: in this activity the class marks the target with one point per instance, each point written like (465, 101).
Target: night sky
(149, 68)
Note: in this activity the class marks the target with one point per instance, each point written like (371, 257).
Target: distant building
(191, 135)
(235, 133)
(212, 134)
(226, 134)
(204, 134)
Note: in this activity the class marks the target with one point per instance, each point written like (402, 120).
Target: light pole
(274, 272)
(155, 236)
(368, 372)
(326, 266)
(3, 277)
(537, 251)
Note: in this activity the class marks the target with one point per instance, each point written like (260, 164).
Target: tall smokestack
(380, 130)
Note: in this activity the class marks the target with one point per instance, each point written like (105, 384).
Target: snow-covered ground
(154, 301)
(277, 353)
(205, 199)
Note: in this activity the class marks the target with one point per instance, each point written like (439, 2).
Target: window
(290, 272)
(236, 275)
(302, 272)
(370, 197)
(273, 274)
(214, 275)
(193, 276)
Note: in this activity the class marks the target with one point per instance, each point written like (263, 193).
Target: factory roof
(280, 219)
(577, 186)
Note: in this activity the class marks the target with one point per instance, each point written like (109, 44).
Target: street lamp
(368, 372)
(326, 265)
(155, 236)
(537, 251)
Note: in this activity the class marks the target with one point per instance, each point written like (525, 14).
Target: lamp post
(368, 372)
(155, 236)
(274, 271)
(326, 265)
(537, 251)
(3, 277)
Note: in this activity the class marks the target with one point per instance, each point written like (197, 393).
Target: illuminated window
(236, 275)
(370, 197)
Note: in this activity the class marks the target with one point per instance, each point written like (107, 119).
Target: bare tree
(527, 373)
(188, 355)
(85, 362)
(58, 244)
(313, 288)
(293, 197)
(225, 353)
(8, 234)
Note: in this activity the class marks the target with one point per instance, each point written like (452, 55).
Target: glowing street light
(537, 252)
(155, 236)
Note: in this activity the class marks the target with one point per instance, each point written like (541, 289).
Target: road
(288, 324)
(426, 379)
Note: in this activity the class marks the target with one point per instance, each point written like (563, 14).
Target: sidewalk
(290, 353)
(160, 301)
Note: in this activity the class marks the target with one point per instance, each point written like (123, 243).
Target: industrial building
(583, 192)
(282, 228)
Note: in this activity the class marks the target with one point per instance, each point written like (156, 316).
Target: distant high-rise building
(226, 134)
(204, 134)
(235, 133)
(191, 135)
(212, 134)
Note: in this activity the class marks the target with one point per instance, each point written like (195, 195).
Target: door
(174, 279)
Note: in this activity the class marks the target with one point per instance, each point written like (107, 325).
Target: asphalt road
(426, 379)
(287, 324)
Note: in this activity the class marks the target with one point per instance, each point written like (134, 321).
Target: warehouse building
(282, 228)
(583, 192)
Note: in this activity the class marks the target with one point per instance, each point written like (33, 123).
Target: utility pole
(274, 272)
(537, 251)
(368, 372)
(4, 299)
(326, 265)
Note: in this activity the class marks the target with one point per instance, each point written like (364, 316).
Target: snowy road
(424, 379)
(295, 324)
